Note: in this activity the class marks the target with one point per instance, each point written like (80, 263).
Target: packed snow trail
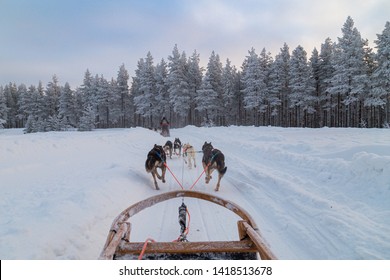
(314, 193)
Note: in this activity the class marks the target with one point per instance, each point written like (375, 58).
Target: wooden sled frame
(118, 240)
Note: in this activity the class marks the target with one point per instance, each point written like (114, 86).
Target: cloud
(67, 37)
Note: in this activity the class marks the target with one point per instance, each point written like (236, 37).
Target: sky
(42, 38)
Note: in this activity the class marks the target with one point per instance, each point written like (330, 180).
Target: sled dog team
(213, 159)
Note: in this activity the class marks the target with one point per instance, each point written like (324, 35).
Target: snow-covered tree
(279, 85)
(103, 92)
(123, 110)
(254, 88)
(52, 96)
(206, 102)
(325, 73)
(3, 109)
(66, 105)
(11, 96)
(163, 107)
(87, 120)
(145, 102)
(179, 86)
(349, 81)
(195, 75)
(88, 91)
(379, 97)
(301, 96)
(24, 103)
(209, 97)
(266, 62)
(231, 94)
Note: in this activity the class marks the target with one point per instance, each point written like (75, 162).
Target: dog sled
(251, 245)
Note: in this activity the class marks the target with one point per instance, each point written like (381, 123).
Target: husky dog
(177, 146)
(189, 152)
(168, 148)
(156, 159)
(213, 159)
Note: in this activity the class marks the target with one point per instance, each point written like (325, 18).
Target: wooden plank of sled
(187, 247)
(246, 229)
(116, 237)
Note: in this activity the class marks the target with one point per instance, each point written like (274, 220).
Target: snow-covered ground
(314, 193)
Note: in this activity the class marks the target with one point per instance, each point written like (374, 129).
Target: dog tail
(148, 165)
(223, 171)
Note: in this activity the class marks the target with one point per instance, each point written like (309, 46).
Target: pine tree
(24, 103)
(301, 88)
(266, 62)
(163, 107)
(315, 69)
(145, 102)
(66, 104)
(254, 87)
(103, 92)
(209, 97)
(30, 125)
(195, 75)
(3, 109)
(379, 97)
(52, 95)
(325, 74)
(87, 121)
(10, 92)
(349, 82)
(179, 86)
(279, 85)
(35, 109)
(231, 94)
(123, 110)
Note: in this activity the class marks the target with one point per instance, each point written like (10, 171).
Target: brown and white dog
(213, 159)
(156, 159)
(189, 152)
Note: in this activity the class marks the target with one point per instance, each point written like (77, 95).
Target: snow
(314, 193)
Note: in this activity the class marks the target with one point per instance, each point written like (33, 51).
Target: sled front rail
(250, 243)
(189, 250)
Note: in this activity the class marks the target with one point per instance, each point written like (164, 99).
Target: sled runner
(251, 245)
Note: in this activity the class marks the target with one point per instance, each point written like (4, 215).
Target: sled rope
(144, 248)
(204, 171)
(170, 171)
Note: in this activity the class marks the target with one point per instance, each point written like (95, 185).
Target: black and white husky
(168, 148)
(177, 147)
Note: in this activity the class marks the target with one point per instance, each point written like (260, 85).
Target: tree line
(344, 84)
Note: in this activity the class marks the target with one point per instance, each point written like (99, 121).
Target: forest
(344, 84)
